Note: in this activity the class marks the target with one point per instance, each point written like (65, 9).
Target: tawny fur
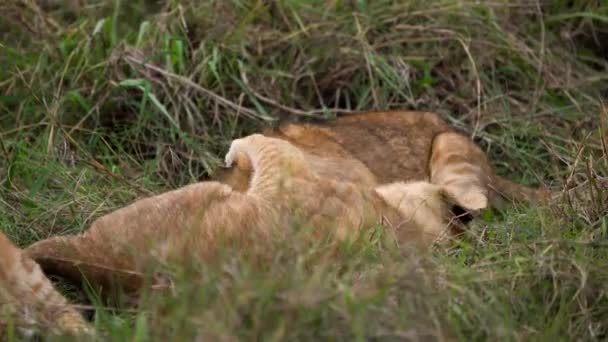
(384, 147)
(336, 177)
(425, 206)
(284, 189)
(28, 299)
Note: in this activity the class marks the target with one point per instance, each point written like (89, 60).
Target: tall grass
(103, 102)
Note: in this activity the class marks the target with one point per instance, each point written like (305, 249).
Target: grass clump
(103, 102)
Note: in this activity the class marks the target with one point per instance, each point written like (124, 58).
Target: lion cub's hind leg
(28, 298)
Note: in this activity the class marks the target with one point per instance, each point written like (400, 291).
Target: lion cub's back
(366, 148)
(393, 145)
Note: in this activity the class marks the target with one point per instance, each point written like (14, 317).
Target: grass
(86, 127)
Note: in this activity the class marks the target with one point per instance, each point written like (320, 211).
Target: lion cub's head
(425, 208)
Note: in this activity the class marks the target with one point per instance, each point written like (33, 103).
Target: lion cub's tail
(503, 189)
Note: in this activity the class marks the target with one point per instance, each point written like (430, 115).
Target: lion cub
(384, 147)
(284, 189)
(28, 299)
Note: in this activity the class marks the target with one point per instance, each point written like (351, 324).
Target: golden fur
(403, 169)
(384, 147)
(29, 300)
(425, 206)
(283, 189)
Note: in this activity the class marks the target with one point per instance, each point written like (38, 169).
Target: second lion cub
(384, 147)
(284, 189)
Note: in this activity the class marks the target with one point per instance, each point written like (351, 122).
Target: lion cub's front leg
(28, 298)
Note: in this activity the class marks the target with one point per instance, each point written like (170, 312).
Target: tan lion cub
(284, 189)
(384, 147)
(28, 299)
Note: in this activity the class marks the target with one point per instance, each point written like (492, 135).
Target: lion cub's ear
(461, 169)
(240, 161)
(237, 172)
(238, 168)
